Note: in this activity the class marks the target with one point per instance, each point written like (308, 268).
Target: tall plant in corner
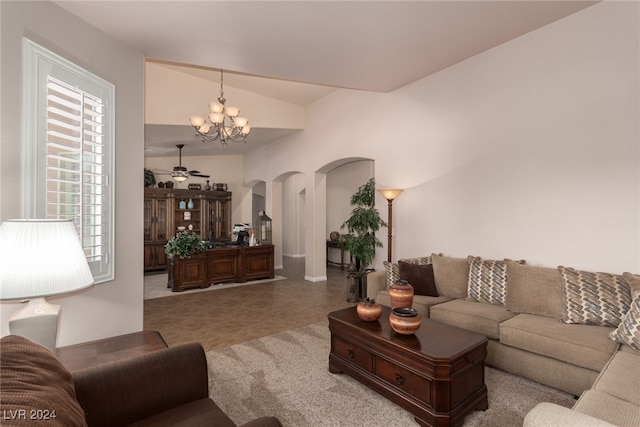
(361, 240)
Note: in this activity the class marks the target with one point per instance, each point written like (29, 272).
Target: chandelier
(224, 122)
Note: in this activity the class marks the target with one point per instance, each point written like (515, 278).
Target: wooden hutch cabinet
(216, 214)
(166, 209)
(158, 227)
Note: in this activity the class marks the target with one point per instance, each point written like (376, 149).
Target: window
(69, 145)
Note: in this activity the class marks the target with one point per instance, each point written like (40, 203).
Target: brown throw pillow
(36, 389)
(420, 276)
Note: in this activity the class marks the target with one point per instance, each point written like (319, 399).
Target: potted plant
(149, 178)
(360, 239)
(182, 245)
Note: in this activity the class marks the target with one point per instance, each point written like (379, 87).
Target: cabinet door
(162, 219)
(148, 219)
(217, 217)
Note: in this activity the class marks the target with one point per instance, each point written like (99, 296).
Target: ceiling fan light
(216, 118)
(232, 111)
(241, 121)
(179, 177)
(196, 121)
(215, 107)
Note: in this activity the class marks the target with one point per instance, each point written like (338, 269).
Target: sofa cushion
(481, 318)
(534, 290)
(35, 382)
(587, 346)
(628, 331)
(422, 303)
(451, 275)
(621, 377)
(608, 408)
(487, 280)
(420, 276)
(393, 269)
(594, 298)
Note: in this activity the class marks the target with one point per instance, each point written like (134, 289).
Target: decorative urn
(401, 294)
(369, 310)
(405, 321)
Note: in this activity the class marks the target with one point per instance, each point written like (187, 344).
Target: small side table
(95, 353)
(337, 245)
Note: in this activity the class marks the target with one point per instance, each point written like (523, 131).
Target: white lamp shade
(245, 130)
(241, 121)
(216, 118)
(205, 128)
(232, 111)
(40, 257)
(215, 107)
(196, 121)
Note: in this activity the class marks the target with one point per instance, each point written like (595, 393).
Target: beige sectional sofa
(525, 312)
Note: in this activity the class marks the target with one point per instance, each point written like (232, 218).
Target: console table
(335, 244)
(437, 374)
(223, 264)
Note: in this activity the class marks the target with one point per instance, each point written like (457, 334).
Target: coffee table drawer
(403, 379)
(353, 353)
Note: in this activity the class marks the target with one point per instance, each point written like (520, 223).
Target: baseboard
(315, 279)
(294, 255)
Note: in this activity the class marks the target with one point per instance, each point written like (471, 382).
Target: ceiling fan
(180, 173)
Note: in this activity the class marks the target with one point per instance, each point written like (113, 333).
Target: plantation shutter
(75, 166)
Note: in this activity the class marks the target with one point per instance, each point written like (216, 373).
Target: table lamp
(40, 258)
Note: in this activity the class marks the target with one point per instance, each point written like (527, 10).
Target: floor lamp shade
(40, 258)
(390, 194)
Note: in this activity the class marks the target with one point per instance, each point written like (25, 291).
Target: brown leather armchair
(168, 387)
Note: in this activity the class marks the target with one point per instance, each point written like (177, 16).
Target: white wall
(342, 183)
(529, 150)
(114, 307)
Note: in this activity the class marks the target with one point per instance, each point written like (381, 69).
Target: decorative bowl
(405, 321)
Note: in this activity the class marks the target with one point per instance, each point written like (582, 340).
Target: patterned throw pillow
(600, 299)
(628, 332)
(393, 271)
(487, 280)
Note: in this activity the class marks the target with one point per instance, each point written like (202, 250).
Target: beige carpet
(287, 375)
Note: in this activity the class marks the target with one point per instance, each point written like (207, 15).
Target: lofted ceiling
(298, 51)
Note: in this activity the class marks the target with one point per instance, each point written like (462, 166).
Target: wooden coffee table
(437, 374)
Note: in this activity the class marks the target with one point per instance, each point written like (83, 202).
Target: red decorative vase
(405, 321)
(401, 294)
(369, 310)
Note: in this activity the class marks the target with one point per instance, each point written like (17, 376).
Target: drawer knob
(400, 379)
(351, 353)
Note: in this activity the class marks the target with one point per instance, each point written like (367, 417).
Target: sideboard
(223, 264)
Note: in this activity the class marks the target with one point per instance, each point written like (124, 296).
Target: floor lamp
(390, 194)
(40, 258)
